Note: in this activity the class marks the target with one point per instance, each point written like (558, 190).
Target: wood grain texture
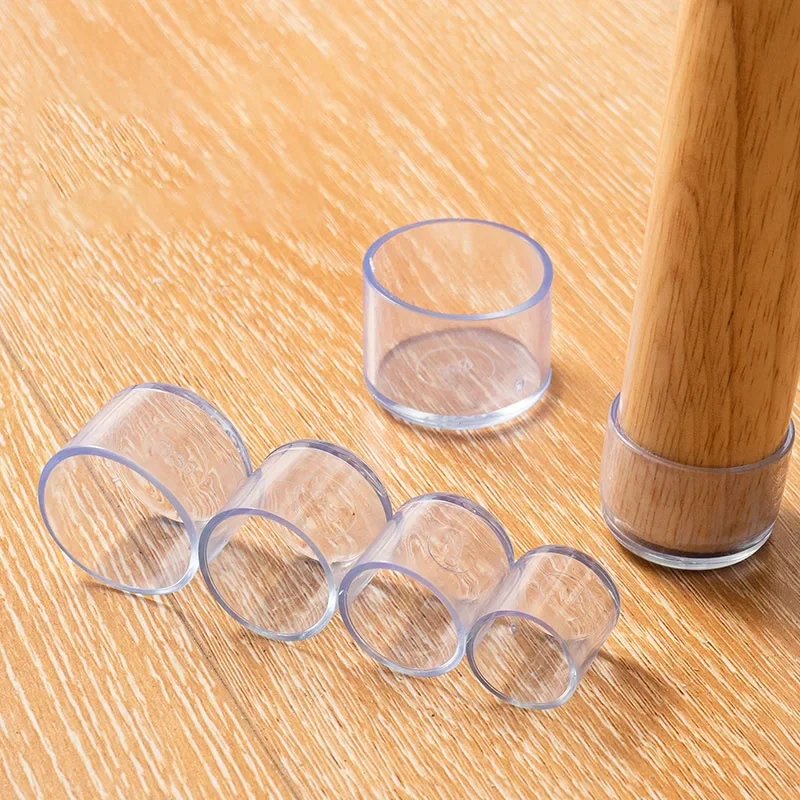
(186, 192)
(714, 353)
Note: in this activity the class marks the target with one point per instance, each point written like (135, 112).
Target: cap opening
(459, 269)
(401, 620)
(116, 521)
(267, 574)
(521, 660)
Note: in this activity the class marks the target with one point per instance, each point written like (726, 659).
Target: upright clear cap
(684, 516)
(457, 322)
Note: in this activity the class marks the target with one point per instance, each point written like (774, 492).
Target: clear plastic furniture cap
(457, 322)
(274, 555)
(411, 597)
(543, 627)
(127, 497)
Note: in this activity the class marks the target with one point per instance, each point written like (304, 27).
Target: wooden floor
(186, 190)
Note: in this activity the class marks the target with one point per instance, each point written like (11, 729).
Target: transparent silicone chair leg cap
(273, 556)
(684, 516)
(125, 499)
(543, 627)
(457, 323)
(410, 598)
